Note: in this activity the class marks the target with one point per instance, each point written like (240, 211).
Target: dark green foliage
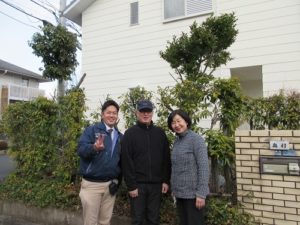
(227, 96)
(57, 46)
(168, 213)
(122, 205)
(43, 136)
(194, 57)
(48, 192)
(221, 212)
(221, 147)
(281, 111)
(205, 48)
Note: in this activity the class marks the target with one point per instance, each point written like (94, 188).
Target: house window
(184, 8)
(134, 13)
(25, 82)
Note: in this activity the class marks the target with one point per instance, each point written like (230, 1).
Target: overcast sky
(18, 28)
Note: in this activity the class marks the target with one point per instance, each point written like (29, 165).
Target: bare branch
(215, 117)
(211, 72)
(80, 81)
(180, 75)
(169, 108)
(174, 78)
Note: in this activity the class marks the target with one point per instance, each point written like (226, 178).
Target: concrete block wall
(272, 199)
(14, 213)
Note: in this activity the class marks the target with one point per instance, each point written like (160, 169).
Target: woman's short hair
(182, 114)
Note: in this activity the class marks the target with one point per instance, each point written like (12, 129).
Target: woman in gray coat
(190, 171)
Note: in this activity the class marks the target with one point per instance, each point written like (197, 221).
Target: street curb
(47, 216)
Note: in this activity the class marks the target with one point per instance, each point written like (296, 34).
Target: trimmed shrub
(220, 211)
(43, 137)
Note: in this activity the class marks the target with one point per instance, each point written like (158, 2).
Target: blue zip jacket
(99, 165)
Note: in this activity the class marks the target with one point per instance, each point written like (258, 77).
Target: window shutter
(198, 6)
(134, 13)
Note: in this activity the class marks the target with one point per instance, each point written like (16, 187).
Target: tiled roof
(11, 68)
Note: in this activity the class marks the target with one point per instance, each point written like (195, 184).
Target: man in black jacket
(145, 165)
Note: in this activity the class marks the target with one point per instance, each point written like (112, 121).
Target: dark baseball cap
(144, 104)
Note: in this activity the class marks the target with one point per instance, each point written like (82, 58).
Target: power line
(19, 20)
(49, 4)
(49, 10)
(21, 10)
(71, 25)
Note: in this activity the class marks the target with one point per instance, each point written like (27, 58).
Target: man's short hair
(109, 103)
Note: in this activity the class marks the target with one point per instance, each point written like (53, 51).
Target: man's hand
(200, 202)
(99, 144)
(165, 188)
(134, 193)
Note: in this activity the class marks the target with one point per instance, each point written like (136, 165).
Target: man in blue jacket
(99, 152)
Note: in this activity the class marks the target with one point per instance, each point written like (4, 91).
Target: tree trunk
(60, 88)
(214, 187)
(228, 178)
(62, 21)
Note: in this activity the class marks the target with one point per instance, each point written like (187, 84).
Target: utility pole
(62, 22)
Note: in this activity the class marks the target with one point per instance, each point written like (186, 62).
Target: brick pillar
(272, 199)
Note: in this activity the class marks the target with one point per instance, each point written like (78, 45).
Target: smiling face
(179, 125)
(110, 116)
(144, 116)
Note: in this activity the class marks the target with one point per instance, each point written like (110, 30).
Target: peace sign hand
(99, 144)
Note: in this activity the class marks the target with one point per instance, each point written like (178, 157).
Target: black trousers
(188, 213)
(145, 207)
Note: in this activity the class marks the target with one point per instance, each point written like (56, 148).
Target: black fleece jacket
(145, 155)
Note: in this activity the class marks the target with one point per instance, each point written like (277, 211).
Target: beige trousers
(97, 203)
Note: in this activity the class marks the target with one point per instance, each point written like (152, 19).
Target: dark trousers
(188, 213)
(145, 207)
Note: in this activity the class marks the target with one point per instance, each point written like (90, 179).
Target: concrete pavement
(19, 214)
(9, 220)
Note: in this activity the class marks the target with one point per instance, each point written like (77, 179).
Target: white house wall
(269, 35)
(117, 56)
(17, 80)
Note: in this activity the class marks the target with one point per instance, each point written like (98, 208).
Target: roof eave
(75, 9)
(37, 77)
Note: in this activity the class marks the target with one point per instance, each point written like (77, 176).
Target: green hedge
(43, 138)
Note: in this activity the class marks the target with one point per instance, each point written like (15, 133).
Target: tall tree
(194, 56)
(57, 47)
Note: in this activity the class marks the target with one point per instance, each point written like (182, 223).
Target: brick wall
(272, 199)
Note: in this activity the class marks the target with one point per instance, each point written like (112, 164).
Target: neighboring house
(18, 84)
(122, 38)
